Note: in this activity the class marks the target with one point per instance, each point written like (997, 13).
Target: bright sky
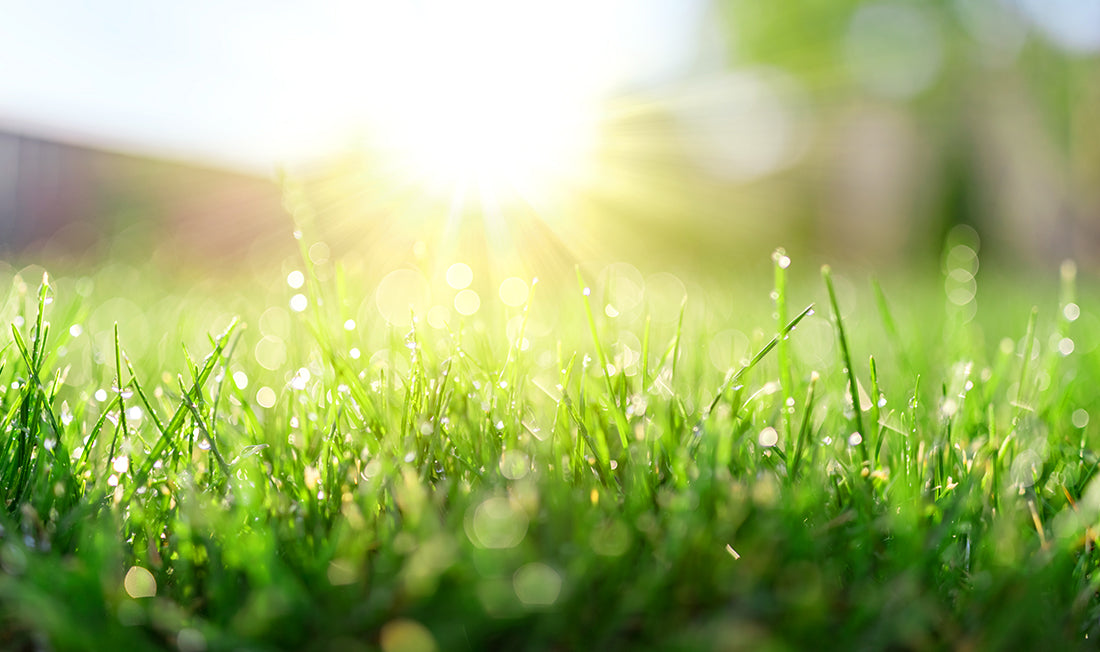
(253, 83)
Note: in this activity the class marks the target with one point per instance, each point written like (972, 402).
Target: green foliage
(458, 488)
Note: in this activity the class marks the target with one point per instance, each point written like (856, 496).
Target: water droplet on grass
(140, 583)
(537, 584)
(301, 379)
(949, 407)
(265, 396)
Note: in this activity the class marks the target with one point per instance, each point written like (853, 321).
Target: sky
(254, 84)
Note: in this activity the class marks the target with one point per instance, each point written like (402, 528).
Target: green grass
(721, 471)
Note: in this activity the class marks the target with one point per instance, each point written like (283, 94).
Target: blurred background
(526, 137)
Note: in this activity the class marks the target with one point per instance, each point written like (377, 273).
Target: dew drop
(265, 396)
(140, 583)
(768, 437)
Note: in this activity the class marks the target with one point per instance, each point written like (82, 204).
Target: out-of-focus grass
(635, 463)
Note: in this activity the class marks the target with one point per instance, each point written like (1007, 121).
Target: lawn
(620, 462)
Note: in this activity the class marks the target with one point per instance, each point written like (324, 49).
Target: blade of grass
(853, 385)
(180, 414)
(786, 384)
(200, 421)
(804, 428)
(876, 397)
(1029, 346)
(730, 381)
(121, 426)
(616, 407)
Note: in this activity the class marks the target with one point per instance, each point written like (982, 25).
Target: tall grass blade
(849, 369)
(786, 382)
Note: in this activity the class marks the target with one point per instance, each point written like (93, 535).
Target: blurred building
(69, 201)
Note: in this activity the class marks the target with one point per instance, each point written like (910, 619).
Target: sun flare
(494, 95)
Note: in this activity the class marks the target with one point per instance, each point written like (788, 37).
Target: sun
(500, 96)
(493, 131)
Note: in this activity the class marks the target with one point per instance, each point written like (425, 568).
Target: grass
(858, 470)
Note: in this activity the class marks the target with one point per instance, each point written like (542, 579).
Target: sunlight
(501, 96)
